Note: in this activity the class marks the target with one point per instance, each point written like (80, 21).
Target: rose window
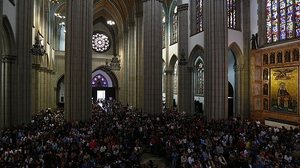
(100, 42)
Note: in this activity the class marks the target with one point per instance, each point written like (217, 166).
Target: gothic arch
(195, 53)
(238, 67)
(110, 73)
(234, 47)
(8, 71)
(60, 89)
(172, 62)
(110, 86)
(8, 37)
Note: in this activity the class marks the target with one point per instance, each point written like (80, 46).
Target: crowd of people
(116, 136)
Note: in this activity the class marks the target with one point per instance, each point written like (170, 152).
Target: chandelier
(54, 1)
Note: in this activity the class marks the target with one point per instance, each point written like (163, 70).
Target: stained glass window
(231, 14)
(99, 81)
(100, 42)
(163, 29)
(282, 20)
(199, 16)
(199, 77)
(175, 78)
(174, 26)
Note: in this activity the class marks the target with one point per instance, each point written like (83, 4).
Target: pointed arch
(172, 62)
(60, 91)
(195, 53)
(110, 73)
(238, 79)
(234, 47)
(110, 10)
(8, 37)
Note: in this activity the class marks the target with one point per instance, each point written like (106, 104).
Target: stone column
(48, 88)
(152, 56)
(24, 61)
(126, 65)
(2, 114)
(238, 97)
(78, 60)
(40, 101)
(169, 88)
(169, 72)
(245, 71)
(8, 85)
(184, 81)
(35, 88)
(132, 68)
(215, 41)
(140, 59)
(42, 91)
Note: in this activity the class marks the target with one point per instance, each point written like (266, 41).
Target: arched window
(199, 16)
(99, 81)
(100, 42)
(175, 83)
(196, 16)
(233, 14)
(174, 35)
(199, 77)
(175, 79)
(282, 20)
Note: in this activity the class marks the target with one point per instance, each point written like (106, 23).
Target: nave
(119, 136)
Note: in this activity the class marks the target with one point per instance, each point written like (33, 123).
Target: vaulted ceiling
(121, 11)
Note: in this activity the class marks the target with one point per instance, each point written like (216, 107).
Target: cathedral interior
(149, 83)
(219, 59)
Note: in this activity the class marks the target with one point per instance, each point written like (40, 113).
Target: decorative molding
(42, 69)
(182, 60)
(9, 58)
(182, 7)
(238, 68)
(169, 72)
(36, 66)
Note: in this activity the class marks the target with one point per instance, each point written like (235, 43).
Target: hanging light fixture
(54, 1)
(111, 22)
(37, 48)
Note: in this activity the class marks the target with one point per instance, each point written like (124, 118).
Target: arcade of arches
(214, 58)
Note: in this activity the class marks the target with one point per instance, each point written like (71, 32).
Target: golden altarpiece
(274, 77)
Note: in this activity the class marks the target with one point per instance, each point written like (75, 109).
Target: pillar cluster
(78, 68)
(215, 39)
(184, 74)
(152, 57)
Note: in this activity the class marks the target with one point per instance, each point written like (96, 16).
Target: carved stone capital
(238, 68)
(9, 59)
(36, 66)
(43, 69)
(182, 7)
(169, 72)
